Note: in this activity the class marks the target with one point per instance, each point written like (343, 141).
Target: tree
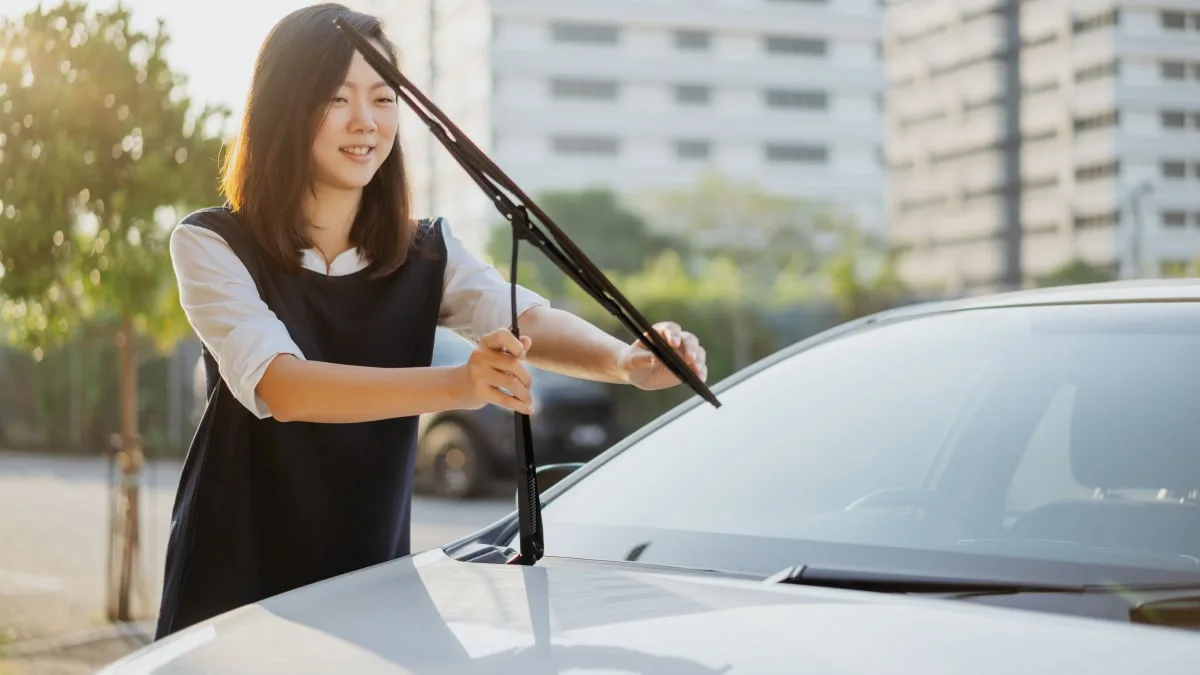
(1075, 271)
(100, 150)
(861, 276)
(614, 237)
(759, 231)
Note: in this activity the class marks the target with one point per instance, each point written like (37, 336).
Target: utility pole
(1011, 274)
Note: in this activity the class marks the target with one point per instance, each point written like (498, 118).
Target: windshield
(1044, 441)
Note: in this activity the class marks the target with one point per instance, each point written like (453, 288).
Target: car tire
(451, 462)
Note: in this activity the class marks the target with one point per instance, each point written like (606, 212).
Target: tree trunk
(125, 542)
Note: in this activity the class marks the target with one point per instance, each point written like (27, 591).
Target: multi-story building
(645, 94)
(1023, 135)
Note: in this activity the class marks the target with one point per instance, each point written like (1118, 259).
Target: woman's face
(358, 131)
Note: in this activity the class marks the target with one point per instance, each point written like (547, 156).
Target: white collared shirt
(225, 310)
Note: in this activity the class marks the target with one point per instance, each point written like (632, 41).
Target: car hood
(430, 615)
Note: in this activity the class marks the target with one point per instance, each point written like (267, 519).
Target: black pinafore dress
(264, 507)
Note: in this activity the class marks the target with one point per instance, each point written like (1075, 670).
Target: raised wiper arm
(557, 246)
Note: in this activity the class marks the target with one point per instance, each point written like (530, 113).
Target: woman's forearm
(565, 343)
(296, 390)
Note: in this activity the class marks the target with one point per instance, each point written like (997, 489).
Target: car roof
(1130, 291)
(1136, 290)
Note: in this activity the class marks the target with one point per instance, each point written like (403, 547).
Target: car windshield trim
(761, 557)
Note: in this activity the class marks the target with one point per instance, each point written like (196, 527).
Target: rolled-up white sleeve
(476, 300)
(224, 308)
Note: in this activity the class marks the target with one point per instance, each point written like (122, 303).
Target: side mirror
(548, 475)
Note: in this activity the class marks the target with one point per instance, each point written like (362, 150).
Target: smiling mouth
(357, 150)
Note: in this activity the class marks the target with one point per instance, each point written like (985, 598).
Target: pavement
(53, 553)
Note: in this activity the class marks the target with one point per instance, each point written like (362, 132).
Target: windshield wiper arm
(557, 246)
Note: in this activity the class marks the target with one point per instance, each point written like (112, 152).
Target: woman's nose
(362, 118)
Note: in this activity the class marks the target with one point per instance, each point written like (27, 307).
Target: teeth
(357, 149)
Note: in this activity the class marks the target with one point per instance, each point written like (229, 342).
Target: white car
(999, 485)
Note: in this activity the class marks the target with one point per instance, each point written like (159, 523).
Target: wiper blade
(961, 587)
(891, 582)
(516, 207)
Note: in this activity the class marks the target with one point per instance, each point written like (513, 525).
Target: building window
(1097, 21)
(1100, 71)
(1040, 87)
(1040, 184)
(796, 98)
(792, 45)
(692, 149)
(1173, 70)
(584, 33)
(692, 94)
(592, 146)
(1173, 20)
(1172, 169)
(1174, 218)
(1091, 172)
(1173, 119)
(797, 152)
(1110, 219)
(1103, 120)
(696, 40)
(595, 90)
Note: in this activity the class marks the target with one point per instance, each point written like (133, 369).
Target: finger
(516, 388)
(503, 340)
(692, 349)
(497, 397)
(506, 363)
(510, 391)
(671, 332)
(510, 366)
(689, 343)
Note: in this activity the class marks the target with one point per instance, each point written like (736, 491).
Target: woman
(316, 296)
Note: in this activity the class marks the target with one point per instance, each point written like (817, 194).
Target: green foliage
(615, 238)
(861, 275)
(1075, 271)
(100, 150)
(740, 222)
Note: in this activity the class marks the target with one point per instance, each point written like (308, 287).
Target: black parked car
(461, 452)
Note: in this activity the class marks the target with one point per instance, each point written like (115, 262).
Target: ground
(53, 550)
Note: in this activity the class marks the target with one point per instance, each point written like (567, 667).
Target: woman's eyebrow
(377, 85)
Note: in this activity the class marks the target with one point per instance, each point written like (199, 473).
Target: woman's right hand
(496, 363)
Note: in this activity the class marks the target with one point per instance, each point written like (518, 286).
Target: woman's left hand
(645, 371)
